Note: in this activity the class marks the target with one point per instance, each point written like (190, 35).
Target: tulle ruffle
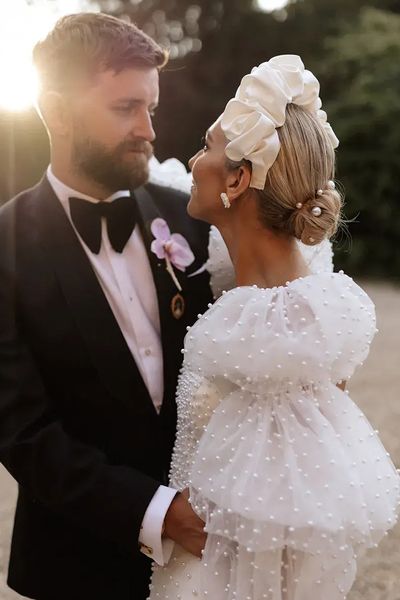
(287, 471)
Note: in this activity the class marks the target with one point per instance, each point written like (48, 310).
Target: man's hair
(83, 44)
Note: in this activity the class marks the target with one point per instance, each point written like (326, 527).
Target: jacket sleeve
(63, 474)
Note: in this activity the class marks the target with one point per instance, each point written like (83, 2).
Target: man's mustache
(138, 146)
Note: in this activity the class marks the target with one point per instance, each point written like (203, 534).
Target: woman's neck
(261, 257)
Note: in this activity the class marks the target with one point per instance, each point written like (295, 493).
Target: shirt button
(147, 352)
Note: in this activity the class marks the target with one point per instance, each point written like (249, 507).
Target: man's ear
(55, 112)
(238, 181)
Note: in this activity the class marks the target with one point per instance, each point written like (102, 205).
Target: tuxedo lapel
(172, 330)
(91, 311)
(166, 288)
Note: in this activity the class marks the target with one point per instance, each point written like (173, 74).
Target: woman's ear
(55, 113)
(238, 181)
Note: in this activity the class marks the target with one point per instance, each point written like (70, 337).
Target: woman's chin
(195, 211)
(192, 208)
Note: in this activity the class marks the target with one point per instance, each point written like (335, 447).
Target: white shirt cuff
(150, 540)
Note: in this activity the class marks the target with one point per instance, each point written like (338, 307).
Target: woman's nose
(192, 160)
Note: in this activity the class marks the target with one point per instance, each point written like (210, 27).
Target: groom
(92, 325)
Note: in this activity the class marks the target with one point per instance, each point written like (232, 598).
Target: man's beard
(109, 168)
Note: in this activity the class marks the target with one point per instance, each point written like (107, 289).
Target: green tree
(363, 65)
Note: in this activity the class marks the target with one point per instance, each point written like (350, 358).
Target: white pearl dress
(288, 475)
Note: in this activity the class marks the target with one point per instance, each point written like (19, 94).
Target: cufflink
(146, 549)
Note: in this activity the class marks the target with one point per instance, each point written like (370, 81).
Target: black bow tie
(120, 215)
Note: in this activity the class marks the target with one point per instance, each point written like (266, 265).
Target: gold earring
(225, 200)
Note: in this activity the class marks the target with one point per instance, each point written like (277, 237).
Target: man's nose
(144, 128)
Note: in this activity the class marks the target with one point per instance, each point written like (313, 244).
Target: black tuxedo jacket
(78, 429)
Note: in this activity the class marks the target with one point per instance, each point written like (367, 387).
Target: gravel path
(377, 390)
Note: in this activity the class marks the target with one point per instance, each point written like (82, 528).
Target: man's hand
(182, 525)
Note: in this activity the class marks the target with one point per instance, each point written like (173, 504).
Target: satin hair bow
(250, 119)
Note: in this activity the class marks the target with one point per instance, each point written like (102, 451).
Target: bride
(286, 472)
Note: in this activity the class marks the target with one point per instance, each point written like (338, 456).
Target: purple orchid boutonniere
(173, 248)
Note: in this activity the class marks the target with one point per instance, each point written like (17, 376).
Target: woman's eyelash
(204, 142)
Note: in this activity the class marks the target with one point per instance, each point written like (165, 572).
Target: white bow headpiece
(251, 118)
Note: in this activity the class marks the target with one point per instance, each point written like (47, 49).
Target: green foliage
(364, 63)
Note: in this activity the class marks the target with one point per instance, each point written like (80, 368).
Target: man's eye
(122, 109)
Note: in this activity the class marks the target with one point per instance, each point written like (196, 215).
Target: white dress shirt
(127, 282)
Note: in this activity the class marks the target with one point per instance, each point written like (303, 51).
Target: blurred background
(353, 47)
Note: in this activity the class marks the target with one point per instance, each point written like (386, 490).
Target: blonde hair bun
(312, 227)
(300, 180)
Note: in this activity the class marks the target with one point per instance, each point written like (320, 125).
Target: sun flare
(21, 26)
(271, 5)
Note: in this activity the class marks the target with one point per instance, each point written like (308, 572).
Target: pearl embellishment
(316, 211)
(285, 470)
